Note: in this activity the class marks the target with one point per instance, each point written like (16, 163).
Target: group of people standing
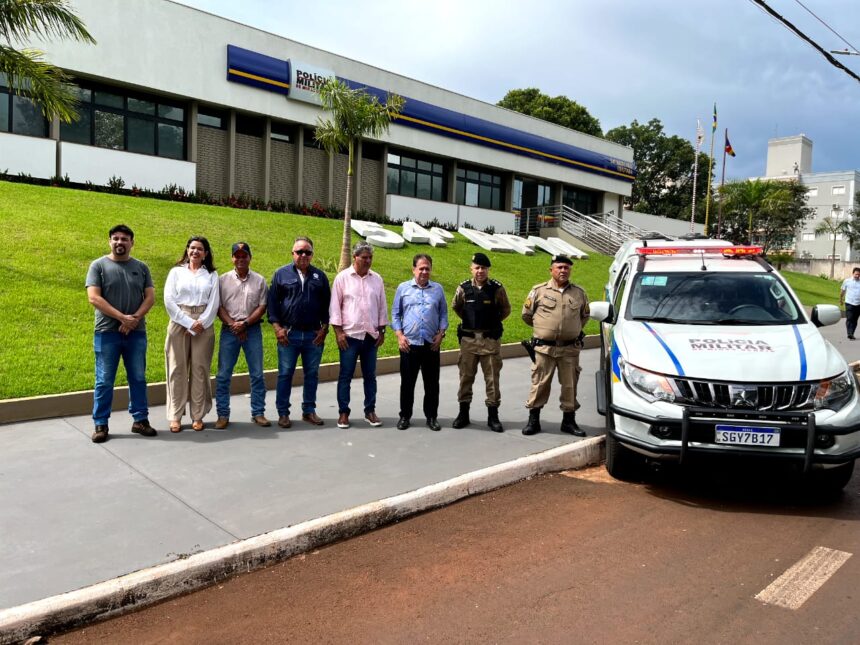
(302, 308)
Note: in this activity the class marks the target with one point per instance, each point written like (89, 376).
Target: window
(411, 176)
(478, 188)
(836, 237)
(212, 118)
(812, 192)
(808, 237)
(837, 212)
(111, 118)
(581, 200)
(283, 131)
(20, 115)
(838, 190)
(310, 140)
(252, 126)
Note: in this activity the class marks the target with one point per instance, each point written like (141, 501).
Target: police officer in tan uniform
(482, 304)
(557, 310)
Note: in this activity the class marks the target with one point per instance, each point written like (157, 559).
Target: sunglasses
(303, 252)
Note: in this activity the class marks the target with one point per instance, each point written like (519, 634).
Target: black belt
(553, 343)
(312, 327)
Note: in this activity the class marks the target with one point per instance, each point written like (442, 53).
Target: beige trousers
(566, 361)
(487, 352)
(189, 362)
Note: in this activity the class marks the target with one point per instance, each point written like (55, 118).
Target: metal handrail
(604, 232)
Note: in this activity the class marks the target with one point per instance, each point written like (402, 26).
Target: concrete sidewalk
(76, 513)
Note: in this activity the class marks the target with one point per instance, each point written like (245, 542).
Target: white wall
(28, 155)
(665, 225)
(98, 165)
(420, 210)
(183, 51)
(451, 215)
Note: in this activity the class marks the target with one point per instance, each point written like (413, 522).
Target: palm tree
(764, 208)
(27, 73)
(354, 115)
(831, 227)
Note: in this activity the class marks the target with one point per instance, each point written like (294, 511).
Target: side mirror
(823, 315)
(600, 311)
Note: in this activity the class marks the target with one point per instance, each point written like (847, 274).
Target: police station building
(174, 95)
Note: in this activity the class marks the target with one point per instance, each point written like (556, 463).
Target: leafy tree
(832, 227)
(354, 114)
(27, 73)
(852, 231)
(768, 212)
(555, 109)
(664, 171)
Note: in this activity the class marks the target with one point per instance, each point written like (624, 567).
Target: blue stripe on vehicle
(802, 351)
(615, 356)
(666, 347)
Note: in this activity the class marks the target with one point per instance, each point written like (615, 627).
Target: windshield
(712, 299)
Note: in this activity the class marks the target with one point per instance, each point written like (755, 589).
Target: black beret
(481, 260)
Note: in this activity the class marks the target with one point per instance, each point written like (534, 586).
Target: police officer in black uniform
(482, 304)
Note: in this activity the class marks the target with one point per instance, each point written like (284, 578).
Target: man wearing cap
(557, 310)
(358, 314)
(482, 304)
(243, 303)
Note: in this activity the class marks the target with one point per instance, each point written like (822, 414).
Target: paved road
(568, 558)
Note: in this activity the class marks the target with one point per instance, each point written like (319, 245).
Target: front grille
(743, 396)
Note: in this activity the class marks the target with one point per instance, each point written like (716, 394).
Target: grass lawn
(50, 236)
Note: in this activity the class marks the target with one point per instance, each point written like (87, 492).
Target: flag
(714, 125)
(729, 150)
(700, 134)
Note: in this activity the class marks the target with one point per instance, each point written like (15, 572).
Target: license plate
(747, 435)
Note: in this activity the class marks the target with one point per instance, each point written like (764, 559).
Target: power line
(803, 36)
(839, 36)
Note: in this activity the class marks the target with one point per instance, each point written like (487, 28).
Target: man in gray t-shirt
(121, 290)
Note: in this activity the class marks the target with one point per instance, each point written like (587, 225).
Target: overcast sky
(621, 59)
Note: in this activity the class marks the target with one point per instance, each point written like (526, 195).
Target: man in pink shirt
(358, 315)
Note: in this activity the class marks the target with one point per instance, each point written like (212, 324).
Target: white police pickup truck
(707, 350)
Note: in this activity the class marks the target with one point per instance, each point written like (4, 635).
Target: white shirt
(185, 287)
(851, 287)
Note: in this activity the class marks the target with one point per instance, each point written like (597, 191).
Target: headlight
(834, 393)
(651, 387)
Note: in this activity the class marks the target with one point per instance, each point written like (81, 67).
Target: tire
(621, 463)
(830, 482)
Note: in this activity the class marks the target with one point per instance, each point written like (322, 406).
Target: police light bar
(708, 250)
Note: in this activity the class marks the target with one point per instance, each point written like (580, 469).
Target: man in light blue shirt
(849, 295)
(419, 317)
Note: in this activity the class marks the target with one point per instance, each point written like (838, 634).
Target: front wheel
(831, 481)
(622, 463)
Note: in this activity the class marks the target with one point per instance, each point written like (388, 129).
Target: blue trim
(272, 74)
(615, 357)
(802, 351)
(666, 347)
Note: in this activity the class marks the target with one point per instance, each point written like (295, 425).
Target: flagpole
(722, 182)
(710, 169)
(699, 137)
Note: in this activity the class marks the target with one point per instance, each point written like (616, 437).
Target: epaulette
(465, 283)
(495, 282)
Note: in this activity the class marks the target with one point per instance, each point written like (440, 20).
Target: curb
(147, 586)
(72, 404)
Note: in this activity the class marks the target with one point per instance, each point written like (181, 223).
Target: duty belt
(553, 343)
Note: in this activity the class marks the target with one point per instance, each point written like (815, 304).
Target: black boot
(533, 426)
(568, 424)
(462, 419)
(493, 419)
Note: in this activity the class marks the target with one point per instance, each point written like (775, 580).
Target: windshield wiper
(660, 319)
(744, 321)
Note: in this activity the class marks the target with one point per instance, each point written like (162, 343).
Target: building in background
(174, 95)
(831, 194)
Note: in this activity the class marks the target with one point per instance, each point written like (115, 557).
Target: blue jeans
(228, 354)
(365, 350)
(109, 347)
(301, 344)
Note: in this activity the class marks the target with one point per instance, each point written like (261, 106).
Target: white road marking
(798, 583)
